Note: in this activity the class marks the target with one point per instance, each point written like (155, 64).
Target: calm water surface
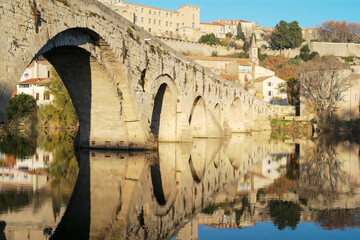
(249, 187)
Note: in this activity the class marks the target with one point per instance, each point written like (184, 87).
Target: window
(269, 93)
(154, 21)
(154, 13)
(269, 84)
(167, 32)
(46, 96)
(159, 22)
(159, 13)
(177, 25)
(37, 96)
(149, 20)
(193, 25)
(170, 14)
(193, 16)
(135, 9)
(149, 29)
(170, 24)
(149, 11)
(142, 19)
(135, 18)
(167, 14)
(24, 85)
(142, 10)
(166, 23)
(356, 97)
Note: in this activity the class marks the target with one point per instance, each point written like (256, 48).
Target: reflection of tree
(338, 218)
(18, 146)
(285, 214)
(63, 170)
(321, 171)
(13, 201)
(292, 167)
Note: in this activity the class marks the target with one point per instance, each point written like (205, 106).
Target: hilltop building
(216, 28)
(231, 26)
(246, 72)
(221, 27)
(183, 23)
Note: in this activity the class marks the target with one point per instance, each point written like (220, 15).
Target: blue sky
(309, 13)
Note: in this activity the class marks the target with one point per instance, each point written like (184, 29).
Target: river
(249, 186)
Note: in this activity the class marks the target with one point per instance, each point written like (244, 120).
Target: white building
(267, 89)
(231, 26)
(33, 82)
(183, 23)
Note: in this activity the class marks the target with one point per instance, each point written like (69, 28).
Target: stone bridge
(128, 88)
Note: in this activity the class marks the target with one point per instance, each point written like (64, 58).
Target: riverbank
(288, 129)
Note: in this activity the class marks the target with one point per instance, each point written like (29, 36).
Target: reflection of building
(183, 23)
(33, 82)
(11, 178)
(21, 172)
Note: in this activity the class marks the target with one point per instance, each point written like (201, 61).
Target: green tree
(228, 35)
(305, 54)
(286, 35)
(240, 34)
(20, 106)
(209, 39)
(285, 214)
(61, 111)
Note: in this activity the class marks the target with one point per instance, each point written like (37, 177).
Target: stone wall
(198, 49)
(289, 53)
(336, 49)
(283, 111)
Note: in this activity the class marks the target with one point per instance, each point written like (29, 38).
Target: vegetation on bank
(24, 115)
(288, 129)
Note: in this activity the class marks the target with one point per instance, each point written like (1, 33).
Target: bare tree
(324, 82)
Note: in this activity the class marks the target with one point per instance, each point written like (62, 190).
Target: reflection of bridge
(126, 86)
(131, 196)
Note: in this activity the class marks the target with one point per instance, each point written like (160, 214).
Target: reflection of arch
(163, 177)
(163, 121)
(157, 184)
(197, 119)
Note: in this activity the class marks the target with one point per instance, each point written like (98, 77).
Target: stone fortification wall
(336, 49)
(198, 49)
(289, 53)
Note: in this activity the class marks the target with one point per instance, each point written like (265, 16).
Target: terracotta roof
(261, 79)
(230, 77)
(14, 93)
(39, 62)
(233, 22)
(241, 61)
(38, 81)
(212, 23)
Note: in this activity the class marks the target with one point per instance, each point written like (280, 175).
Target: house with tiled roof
(33, 82)
(216, 28)
(267, 89)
